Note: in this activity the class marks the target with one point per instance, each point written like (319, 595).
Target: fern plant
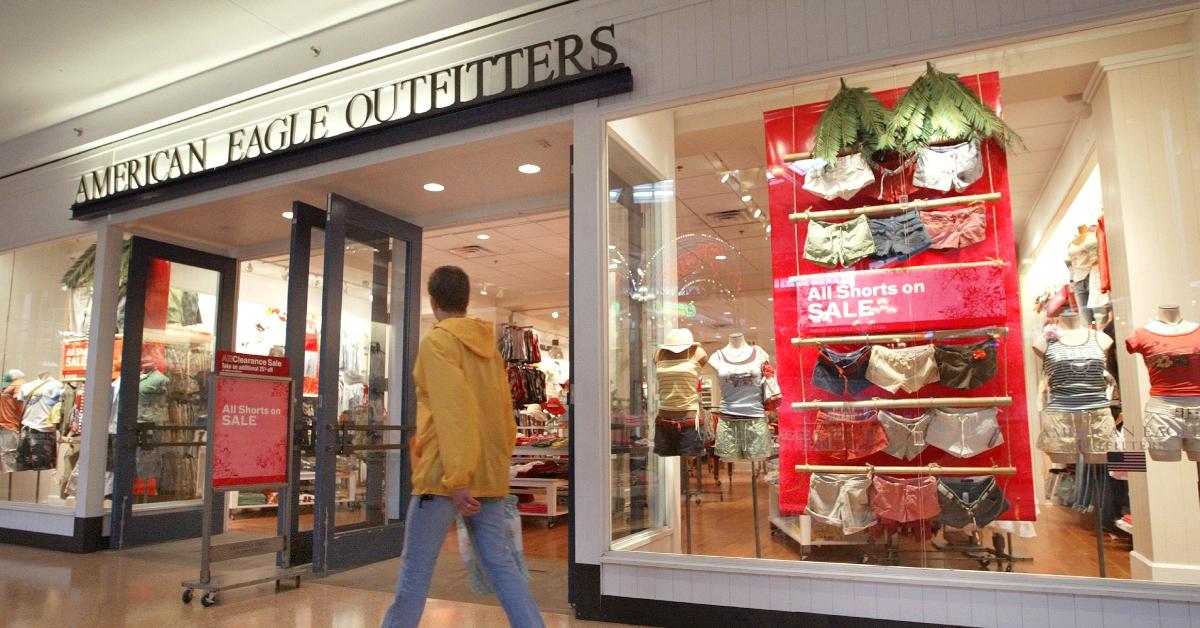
(82, 270)
(938, 107)
(854, 119)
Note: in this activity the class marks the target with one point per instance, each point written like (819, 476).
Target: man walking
(461, 454)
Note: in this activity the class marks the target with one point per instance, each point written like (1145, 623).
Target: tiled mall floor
(141, 587)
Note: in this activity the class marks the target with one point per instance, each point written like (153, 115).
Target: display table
(548, 489)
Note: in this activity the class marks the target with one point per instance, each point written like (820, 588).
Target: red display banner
(935, 290)
(250, 431)
(250, 364)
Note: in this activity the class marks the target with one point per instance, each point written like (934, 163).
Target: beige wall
(1148, 137)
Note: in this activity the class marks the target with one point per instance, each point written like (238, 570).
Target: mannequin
(742, 433)
(1083, 253)
(11, 412)
(38, 436)
(677, 365)
(1170, 348)
(1076, 418)
(742, 429)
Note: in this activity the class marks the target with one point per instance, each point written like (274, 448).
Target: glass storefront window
(45, 302)
(981, 322)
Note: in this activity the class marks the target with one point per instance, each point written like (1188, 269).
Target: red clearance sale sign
(949, 289)
(250, 364)
(250, 430)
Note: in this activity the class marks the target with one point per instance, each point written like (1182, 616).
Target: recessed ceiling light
(287, 215)
(753, 327)
(720, 258)
(770, 298)
(483, 236)
(746, 198)
(529, 168)
(553, 314)
(725, 177)
(612, 266)
(728, 313)
(612, 247)
(757, 213)
(433, 187)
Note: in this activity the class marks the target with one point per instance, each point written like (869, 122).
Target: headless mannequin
(737, 349)
(1073, 331)
(1169, 321)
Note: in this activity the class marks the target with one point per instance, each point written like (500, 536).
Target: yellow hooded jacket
(465, 428)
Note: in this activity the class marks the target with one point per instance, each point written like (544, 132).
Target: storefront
(959, 334)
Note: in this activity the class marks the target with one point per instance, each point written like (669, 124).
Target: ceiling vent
(729, 217)
(472, 251)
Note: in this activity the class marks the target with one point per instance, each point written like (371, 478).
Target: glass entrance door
(366, 405)
(178, 312)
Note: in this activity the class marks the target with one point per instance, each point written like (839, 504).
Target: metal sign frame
(280, 544)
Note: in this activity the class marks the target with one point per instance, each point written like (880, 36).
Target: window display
(941, 305)
(44, 302)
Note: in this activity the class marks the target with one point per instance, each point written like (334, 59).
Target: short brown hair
(450, 289)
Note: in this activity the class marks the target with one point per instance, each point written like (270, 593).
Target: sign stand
(248, 445)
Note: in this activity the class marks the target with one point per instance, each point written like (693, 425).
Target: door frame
(128, 529)
(334, 550)
(305, 218)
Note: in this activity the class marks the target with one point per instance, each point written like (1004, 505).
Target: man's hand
(466, 504)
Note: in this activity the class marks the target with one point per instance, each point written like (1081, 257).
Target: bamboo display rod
(926, 402)
(796, 156)
(892, 208)
(931, 469)
(879, 339)
(897, 269)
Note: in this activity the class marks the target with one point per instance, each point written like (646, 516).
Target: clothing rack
(928, 402)
(892, 208)
(879, 339)
(929, 469)
(896, 269)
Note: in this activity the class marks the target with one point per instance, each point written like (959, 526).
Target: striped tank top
(678, 383)
(1076, 375)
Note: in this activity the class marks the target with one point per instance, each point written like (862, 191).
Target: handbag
(772, 396)
(475, 573)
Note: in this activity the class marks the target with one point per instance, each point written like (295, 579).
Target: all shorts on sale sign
(250, 431)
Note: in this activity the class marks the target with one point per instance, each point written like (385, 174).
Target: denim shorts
(964, 432)
(677, 437)
(898, 238)
(971, 500)
(967, 366)
(842, 373)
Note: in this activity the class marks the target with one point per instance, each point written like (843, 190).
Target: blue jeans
(424, 531)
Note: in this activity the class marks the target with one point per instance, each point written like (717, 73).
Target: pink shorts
(956, 228)
(904, 499)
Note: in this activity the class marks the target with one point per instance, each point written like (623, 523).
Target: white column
(98, 401)
(589, 345)
(1148, 142)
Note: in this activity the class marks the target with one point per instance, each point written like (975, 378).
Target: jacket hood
(475, 334)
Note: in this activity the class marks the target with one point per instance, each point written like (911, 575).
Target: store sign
(476, 82)
(250, 426)
(74, 361)
(229, 362)
(923, 297)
